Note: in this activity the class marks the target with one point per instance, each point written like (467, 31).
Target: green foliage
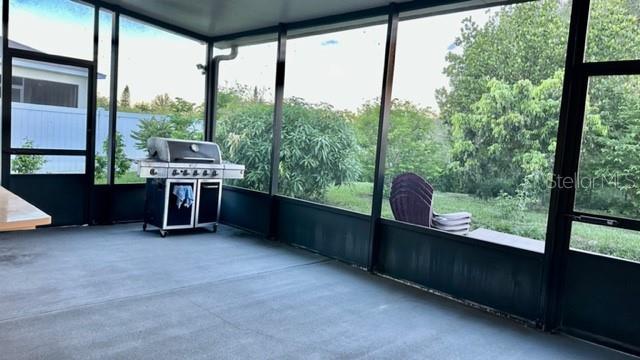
(27, 164)
(175, 118)
(125, 98)
(522, 41)
(507, 137)
(244, 134)
(149, 128)
(186, 119)
(318, 148)
(417, 141)
(611, 147)
(503, 102)
(162, 103)
(614, 30)
(102, 102)
(123, 164)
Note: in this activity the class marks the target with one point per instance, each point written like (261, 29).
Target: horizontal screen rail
(605, 68)
(604, 220)
(32, 151)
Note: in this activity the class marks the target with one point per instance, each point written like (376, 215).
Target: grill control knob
(214, 173)
(185, 172)
(175, 172)
(153, 172)
(195, 172)
(205, 173)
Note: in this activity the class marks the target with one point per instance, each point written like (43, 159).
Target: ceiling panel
(222, 17)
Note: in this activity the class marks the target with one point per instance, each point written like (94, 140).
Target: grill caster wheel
(215, 228)
(144, 226)
(163, 233)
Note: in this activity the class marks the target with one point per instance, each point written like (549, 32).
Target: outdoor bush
(244, 134)
(123, 164)
(27, 164)
(417, 141)
(506, 140)
(318, 147)
(175, 118)
(151, 127)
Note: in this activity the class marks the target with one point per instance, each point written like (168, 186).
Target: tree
(244, 134)
(149, 128)
(161, 103)
(611, 148)
(506, 137)
(416, 141)
(125, 98)
(102, 102)
(122, 163)
(319, 147)
(186, 119)
(522, 41)
(182, 120)
(502, 104)
(613, 30)
(27, 164)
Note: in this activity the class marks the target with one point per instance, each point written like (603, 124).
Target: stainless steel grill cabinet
(195, 164)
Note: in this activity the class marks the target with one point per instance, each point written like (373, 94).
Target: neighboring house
(49, 108)
(41, 83)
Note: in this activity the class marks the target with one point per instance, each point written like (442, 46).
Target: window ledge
(501, 238)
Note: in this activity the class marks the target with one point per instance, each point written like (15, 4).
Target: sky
(343, 69)
(151, 61)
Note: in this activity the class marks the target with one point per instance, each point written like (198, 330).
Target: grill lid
(183, 151)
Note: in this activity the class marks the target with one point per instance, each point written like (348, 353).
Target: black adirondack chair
(411, 201)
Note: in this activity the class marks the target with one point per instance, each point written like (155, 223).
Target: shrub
(318, 148)
(27, 164)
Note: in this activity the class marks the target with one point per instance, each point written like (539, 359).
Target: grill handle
(209, 186)
(198, 159)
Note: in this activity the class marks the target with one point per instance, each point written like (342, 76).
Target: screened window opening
(474, 121)
(603, 240)
(245, 111)
(160, 92)
(608, 178)
(103, 99)
(613, 32)
(47, 164)
(332, 90)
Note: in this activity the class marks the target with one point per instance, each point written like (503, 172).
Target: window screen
(44, 92)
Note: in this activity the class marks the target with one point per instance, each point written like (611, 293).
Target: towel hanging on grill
(184, 195)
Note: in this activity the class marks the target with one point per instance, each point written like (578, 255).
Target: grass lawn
(131, 177)
(492, 214)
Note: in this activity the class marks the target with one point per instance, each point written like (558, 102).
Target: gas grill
(184, 183)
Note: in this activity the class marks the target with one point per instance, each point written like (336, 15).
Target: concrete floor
(117, 292)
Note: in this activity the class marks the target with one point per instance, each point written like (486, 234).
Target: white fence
(55, 127)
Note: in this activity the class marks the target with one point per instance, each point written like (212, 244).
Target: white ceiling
(222, 17)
